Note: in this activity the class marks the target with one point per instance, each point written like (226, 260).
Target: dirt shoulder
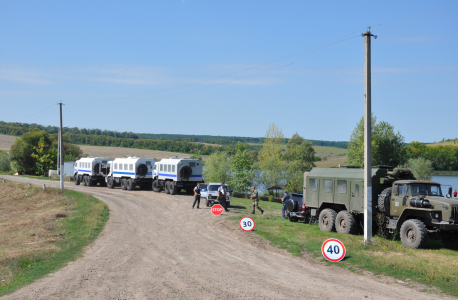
(155, 246)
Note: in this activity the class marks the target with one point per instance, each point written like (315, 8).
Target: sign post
(217, 209)
(246, 223)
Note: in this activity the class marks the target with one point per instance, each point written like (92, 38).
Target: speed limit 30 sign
(246, 223)
(333, 250)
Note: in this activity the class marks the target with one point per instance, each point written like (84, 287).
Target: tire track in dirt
(155, 246)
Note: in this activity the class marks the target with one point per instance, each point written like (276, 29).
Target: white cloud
(19, 74)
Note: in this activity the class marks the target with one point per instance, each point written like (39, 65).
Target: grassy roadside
(435, 266)
(41, 231)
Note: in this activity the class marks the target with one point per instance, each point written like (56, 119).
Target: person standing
(283, 200)
(196, 196)
(222, 192)
(454, 194)
(254, 196)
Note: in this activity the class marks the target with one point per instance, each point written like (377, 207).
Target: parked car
(295, 209)
(212, 194)
(203, 190)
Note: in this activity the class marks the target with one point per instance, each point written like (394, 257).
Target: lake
(445, 182)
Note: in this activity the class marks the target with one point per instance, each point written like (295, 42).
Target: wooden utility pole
(61, 143)
(367, 139)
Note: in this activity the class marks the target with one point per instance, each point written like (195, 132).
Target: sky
(230, 67)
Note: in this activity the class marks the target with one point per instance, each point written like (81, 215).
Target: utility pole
(367, 139)
(61, 143)
(58, 151)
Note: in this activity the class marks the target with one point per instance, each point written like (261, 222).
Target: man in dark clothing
(222, 197)
(196, 196)
(283, 200)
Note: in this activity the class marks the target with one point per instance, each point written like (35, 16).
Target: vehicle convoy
(129, 172)
(417, 210)
(212, 194)
(175, 174)
(91, 170)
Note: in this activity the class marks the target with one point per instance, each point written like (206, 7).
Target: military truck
(416, 209)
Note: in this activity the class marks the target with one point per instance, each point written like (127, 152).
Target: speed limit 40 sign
(333, 250)
(246, 223)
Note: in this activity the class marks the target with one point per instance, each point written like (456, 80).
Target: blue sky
(144, 66)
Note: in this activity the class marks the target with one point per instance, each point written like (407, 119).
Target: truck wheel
(90, 182)
(207, 203)
(123, 184)
(173, 188)
(450, 243)
(327, 220)
(84, 181)
(77, 180)
(167, 187)
(345, 222)
(384, 201)
(129, 184)
(110, 182)
(414, 234)
(156, 186)
(185, 172)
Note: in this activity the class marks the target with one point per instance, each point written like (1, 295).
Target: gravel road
(155, 246)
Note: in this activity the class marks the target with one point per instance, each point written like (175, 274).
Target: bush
(5, 164)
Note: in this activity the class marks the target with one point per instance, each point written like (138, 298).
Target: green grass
(79, 229)
(330, 150)
(39, 177)
(435, 266)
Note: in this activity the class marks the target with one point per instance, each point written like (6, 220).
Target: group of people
(222, 194)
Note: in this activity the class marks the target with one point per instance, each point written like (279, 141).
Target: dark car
(295, 209)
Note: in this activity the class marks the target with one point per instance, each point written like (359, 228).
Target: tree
(270, 163)
(217, 168)
(241, 174)
(42, 157)
(299, 158)
(387, 146)
(421, 168)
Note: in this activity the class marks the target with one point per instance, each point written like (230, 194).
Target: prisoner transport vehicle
(91, 170)
(130, 172)
(415, 209)
(175, 174)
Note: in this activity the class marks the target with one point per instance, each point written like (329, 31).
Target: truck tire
(90, 182)
(167, 187)
(142, 170)
(327, 220)
(450, 243)
(110, 182)
(129, 184)
(84, 181)
(123, 184)
(173, 188)
(77, 180)
(414, 234)
(157, 187)
(207, 203)
(291, 205)
(96, 168)
(345, 222)
(384, 201)
(185, 172)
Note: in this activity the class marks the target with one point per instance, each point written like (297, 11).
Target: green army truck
(417, 210)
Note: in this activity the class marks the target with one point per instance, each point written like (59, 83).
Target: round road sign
(333, 250)
(217, 209)
(246, 223)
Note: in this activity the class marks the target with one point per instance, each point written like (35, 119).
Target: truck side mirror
(396, 190)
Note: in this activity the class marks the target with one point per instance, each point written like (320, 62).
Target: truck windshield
(214, 188)
(424, 189)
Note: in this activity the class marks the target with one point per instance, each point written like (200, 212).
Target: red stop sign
(217, 209)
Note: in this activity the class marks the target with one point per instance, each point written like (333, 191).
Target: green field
(435, 267)
(329, 150)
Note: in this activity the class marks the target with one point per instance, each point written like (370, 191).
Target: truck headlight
(436, 216)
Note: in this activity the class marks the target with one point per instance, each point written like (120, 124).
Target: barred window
(125, 167)
(161, 168)
(341, 186)
(170, 168)
(327, 185)
(357, 190)
(115, 166)
(173, 168)
(313, 184)
(192, 164)
(120, 166)
(131, 167)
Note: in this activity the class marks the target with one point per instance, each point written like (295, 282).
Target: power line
(53, 110)
(35, 113)
(314, 48)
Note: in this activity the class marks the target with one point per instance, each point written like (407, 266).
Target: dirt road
(156, 247)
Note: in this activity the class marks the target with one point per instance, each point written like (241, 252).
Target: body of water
(446, 181)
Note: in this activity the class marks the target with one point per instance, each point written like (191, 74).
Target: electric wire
(47, 113)
(310, 49)
(37, 112)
